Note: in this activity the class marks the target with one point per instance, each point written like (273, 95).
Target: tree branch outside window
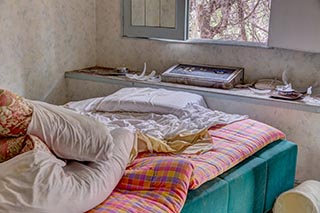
(236, 20)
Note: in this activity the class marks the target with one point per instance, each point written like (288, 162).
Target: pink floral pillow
(11, 147)
(15, 115)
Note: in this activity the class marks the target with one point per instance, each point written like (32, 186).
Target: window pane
(137, 12)
(153, 13)
(235, 20)
(165, 19)
(168, 13)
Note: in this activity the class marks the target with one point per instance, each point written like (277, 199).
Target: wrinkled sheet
(159, 182)
(166, 132)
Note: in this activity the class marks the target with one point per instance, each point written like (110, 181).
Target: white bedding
(189, 119)
(160, 131)
(70, 135)
(160, 101)
(37, 181)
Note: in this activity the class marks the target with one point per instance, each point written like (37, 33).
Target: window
(227, 20)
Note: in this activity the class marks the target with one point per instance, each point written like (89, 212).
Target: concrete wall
(39, 40)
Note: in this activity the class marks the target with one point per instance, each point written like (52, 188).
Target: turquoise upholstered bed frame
(251, 186)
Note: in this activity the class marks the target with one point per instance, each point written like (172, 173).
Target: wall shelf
(241, 95)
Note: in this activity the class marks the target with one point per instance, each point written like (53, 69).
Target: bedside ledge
(233, 94)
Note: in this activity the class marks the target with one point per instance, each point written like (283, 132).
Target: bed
(193, 160)
(251, 186)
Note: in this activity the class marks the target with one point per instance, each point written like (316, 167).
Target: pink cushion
(15, 115)
(11, 147)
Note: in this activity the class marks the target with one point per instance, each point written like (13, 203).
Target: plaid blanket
(159, 182)
(232, 144)
(151, 184)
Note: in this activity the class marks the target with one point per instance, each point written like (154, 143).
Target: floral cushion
(15, 115)
(11, 147)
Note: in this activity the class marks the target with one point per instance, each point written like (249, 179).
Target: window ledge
(241, 95)
(209, 42)
(217, 42)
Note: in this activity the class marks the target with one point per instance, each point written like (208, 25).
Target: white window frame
(283, 30)
(180, 32)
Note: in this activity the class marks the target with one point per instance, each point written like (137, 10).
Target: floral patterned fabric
(11, 147)
(15, 115)
(33, 142)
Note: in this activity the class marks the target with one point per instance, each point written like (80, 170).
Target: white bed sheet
(190, 119)
(160, 131)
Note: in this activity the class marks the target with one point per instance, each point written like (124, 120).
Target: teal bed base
(251, 186)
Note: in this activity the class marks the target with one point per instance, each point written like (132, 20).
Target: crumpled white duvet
(37, 181)
(189, 119)
(68, 134)
(167, 129)
(163, 117)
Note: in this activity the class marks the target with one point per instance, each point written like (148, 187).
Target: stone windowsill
(244, 95)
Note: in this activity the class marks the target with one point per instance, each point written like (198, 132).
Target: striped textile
(158, 182)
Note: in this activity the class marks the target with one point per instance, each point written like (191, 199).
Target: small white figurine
(309, 91)
(285, 75)
(143, 76)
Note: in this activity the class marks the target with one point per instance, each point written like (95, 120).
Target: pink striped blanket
(158, 182)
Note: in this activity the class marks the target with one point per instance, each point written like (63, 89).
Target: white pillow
(86, 105)
(160, 101)
(70, 135)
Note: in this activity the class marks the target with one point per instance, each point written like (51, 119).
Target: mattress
(251, 186)
(233, 143)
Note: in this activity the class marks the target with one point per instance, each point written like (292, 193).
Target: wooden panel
(153, 13)
(168, 13)
(138, 12)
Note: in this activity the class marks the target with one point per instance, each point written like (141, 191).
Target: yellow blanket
(189, 143)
